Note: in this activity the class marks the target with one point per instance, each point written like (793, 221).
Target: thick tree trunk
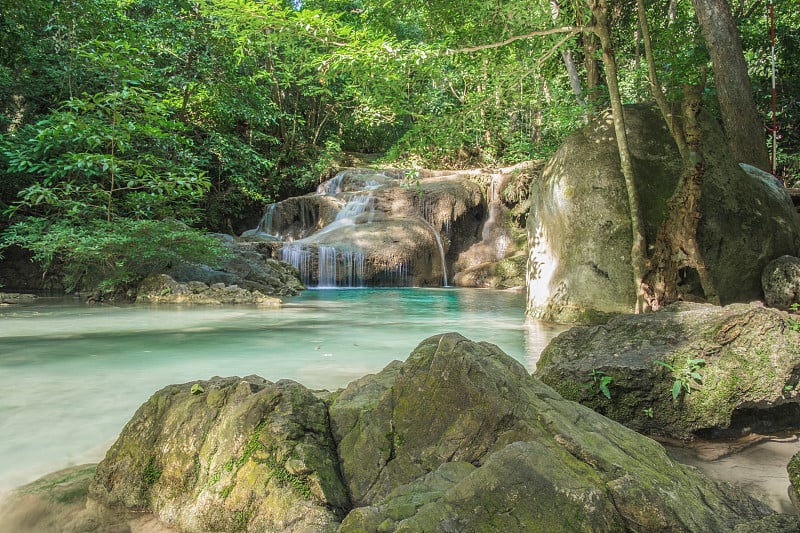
(676, 252)
(743, 127)
(638, 246)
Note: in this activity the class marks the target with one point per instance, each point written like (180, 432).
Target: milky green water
(72, 375)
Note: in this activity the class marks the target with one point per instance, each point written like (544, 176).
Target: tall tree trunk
(569, 63)
(638, 246)
(676, 248)
(589, 41)
(743, 127)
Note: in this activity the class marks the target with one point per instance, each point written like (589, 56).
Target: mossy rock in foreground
(461, 438)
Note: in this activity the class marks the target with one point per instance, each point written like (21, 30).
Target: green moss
(570, 390)
(151, 472)
(286, 478)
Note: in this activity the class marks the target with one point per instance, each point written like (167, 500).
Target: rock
(15, 298)
(162, 289)
(57, 503)
(781, 282)
(251, 267)
(776, 522)
(794, 477)
(750, 369)
(579, 225)
(388, 227)
(460, 438)
(245, 455)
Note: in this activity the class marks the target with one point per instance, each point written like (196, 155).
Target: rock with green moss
(243, 455)
(163, 289)
(461, 438)
(687, 370)
(579, 227)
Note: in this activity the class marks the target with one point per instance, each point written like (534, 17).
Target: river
(72, 375)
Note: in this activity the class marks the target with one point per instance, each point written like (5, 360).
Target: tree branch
(537, 33)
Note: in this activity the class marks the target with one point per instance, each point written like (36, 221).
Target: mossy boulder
(227, 454)
(794, 477)
(579, 228)
(461, 438)
(747, 360)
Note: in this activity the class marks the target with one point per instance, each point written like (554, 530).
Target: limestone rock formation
(162, 289)
(227, 455)
(579, 225)
(251, 266)
(747, 359)
(391, 227)
(781, 282)
(457, 438)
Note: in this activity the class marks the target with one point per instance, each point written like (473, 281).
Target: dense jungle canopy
(130, 127)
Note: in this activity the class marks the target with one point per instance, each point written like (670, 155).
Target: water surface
(72, 375)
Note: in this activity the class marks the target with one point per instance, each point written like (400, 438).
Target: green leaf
(676, 389)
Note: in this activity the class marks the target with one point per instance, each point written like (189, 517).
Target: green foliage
(685, 377)
(791, 322)
(112, 255)
(600, 384)
(648, 412)
(151, 473)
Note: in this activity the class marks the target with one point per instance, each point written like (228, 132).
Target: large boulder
(747, 360)
(227, 454)
(579, 267)
(461, 438)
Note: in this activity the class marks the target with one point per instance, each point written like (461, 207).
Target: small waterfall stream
(330, 266)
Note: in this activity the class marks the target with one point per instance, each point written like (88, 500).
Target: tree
(744, 129)
(602, 29)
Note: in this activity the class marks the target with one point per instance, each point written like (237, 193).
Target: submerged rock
(457, 438)
(746, 358)
(15, 298)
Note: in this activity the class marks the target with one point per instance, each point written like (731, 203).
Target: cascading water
(493, 228)
(364, 228)
(324, 266)
(425, 211)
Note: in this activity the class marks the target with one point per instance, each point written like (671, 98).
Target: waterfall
(325, 266)
(440, 245)
(492, 233)
(265, 225)
(355, 206)
(332, 186)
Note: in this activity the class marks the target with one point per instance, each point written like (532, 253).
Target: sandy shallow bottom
(758, 467)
